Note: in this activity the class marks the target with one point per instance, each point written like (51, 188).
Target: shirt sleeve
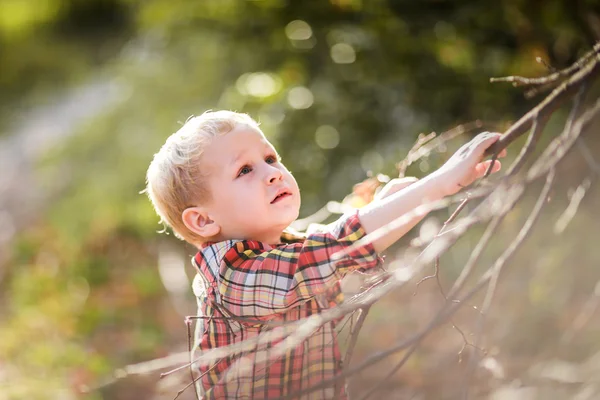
(258, 280)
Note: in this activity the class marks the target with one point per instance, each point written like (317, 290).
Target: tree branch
(585, 73)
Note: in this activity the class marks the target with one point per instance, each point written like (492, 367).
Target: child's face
(253, 195)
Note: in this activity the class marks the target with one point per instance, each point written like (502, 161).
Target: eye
(272, 159)
(244, 170)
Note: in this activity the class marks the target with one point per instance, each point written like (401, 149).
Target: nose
(273, 174)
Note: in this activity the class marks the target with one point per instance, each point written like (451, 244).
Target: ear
(197, 220)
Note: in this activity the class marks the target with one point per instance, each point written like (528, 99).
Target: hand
(465, 166)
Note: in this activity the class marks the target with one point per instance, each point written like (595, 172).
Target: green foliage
(82, 295)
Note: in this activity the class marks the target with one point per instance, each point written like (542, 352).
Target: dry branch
(547, 82)
(495, 202)
(507, 194)
(585, 74)
(496, 269)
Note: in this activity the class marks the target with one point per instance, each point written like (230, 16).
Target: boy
(221, 186)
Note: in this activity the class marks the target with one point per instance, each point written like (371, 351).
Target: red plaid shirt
(286, 282)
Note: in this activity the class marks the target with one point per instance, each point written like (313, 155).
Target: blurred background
(90, 89)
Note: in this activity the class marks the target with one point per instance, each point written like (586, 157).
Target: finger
(482, 167)
(486, 139)
(502, 154)
(479, 144)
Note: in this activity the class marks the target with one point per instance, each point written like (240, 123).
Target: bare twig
(443, 315)
(552, 78)
(558, 148)
(498, 199)
(423, 147)
(188, 323)
(543, 165)
(494, 272)
(527, 149)
(362, 316)
(566, 217)
(390, 284)
(585, 73)
(426, 144)
(451, 219)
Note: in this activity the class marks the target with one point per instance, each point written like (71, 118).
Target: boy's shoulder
(207, 262)
(212, 254)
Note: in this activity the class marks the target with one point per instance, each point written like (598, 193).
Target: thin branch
(419, 211)
(188, 323)
(442, 316)
(390, 284)
(552, 78)
(493, 273)
(466, 344)
(541, 111)
(483, 242)
(354, 333)
(193, 382)
(558, 148)
(548, 160)
(362, 316)
(565, 218)
(413, 153)
(425, 145)
(546, 165)
(498, 200)
(527, 149)
(586, 73)
(561, 145)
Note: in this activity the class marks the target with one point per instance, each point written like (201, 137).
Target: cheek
(290, 178)
(227, 201)
(243, 198)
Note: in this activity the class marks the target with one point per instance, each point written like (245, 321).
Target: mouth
(281, 195)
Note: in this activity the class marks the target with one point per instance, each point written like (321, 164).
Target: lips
(281, 194)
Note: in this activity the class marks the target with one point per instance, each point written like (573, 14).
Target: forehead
(228, 148)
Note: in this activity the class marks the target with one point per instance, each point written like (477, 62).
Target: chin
(286, 222)
(294, 215)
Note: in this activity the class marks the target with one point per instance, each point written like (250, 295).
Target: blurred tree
(342, 87)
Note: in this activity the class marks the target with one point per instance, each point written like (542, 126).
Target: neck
(266, 237)
(269, 238)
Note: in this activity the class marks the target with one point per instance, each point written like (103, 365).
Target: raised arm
(459, 171)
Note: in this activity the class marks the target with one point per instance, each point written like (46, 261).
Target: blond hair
(175, 179)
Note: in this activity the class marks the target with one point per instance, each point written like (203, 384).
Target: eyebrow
(235, 160)
(238, 157)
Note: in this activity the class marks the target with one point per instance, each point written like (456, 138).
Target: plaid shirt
(282, 283)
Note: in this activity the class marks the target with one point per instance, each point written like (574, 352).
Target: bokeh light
(342, 53)
(300, 98)
(327, 137)
(91, 284)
